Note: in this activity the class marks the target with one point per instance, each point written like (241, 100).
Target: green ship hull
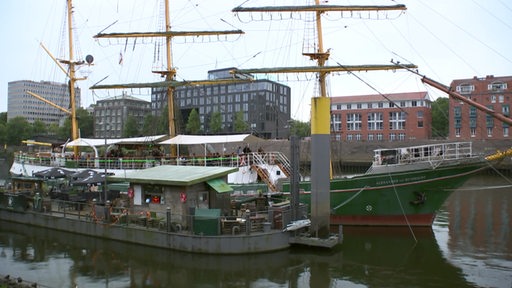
(395, 199)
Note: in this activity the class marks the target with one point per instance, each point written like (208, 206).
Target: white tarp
(211, 139)
(94, 142)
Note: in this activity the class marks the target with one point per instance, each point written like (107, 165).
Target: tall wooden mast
(170, 73)
(70, 72)
(320, 106)
(74, 123)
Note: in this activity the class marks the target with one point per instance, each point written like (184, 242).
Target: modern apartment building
(111, 114)
(265, 105)
(400, 117)
(19, 103)
(469, 123)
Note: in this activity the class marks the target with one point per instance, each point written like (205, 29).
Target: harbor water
(469, 245)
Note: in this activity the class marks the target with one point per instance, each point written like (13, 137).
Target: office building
(19, 103)
(111, 115)
(265, 105)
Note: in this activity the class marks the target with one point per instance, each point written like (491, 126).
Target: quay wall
(357, 156)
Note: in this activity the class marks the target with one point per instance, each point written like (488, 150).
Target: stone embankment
(354, 152)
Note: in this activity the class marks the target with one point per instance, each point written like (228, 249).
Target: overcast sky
(448, 40)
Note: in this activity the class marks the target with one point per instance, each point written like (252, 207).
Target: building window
(465, 88)
(457, 132)
(501, 98)
(349, 137)
(381, 105)
(505, 110)
(401, 136)
(380, 136)
(497, 86)
(456, 111)
(392, 137)
(358, 137)
(420, 123)
(489, 131)
(472, 111)
(473, 132)
(396, 120)
(458, 123)
(489, 121)
(375, 121)
(370, 137)
(354, 122)
(472, 122)
(336, 122)
(493, 98)
(505, 131)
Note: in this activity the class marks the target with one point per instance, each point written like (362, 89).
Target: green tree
(163, 122)
(215, 122)
(239, 124)
(3, 128)
(39, 128)
(53, 129)
(18, 129)
(85, 123)
(440, 109)
(300, 129)
(64, 131)
(149, 127)
(3, 134)
(3, 118)
(130, 127)
(193, 123)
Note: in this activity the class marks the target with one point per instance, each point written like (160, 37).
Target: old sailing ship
(404, 187)
(202, 219)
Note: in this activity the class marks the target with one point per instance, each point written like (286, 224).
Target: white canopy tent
(210, 139)
(96, 142)
(83, 142)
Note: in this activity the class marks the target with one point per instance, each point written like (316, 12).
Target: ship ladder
(264, 175)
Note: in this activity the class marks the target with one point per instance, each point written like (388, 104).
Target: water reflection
(367, 258)
(474, 230)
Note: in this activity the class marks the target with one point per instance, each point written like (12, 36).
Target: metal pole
(105, 163)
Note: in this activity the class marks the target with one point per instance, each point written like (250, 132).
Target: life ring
(183, 197)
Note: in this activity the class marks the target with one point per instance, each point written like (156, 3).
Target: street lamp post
(105, 163)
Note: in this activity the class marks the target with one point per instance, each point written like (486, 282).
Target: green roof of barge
(174, 175)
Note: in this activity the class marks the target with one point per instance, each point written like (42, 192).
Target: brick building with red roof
(469, 123)
(400, 117)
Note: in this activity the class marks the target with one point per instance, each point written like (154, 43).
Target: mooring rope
(350, 199)
(402, 208)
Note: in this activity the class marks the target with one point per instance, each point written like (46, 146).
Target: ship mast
(74, 123)
(170, 73)
(320, 105)
(72, 78)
